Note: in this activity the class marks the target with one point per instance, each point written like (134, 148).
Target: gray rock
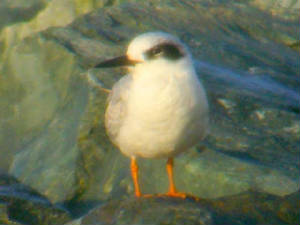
(21, 204)
(52, 135)
(4, 217)
(19, 11)
(251, 208)
(150, 211)
(39, 125)
(254, 132)
(283, 8)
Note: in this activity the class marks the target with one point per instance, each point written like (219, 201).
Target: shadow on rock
(11, 15)
(26, 206)
(250, 208)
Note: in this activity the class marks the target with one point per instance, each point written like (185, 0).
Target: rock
(19, 11)
(251, 208)
(150, 211)
(22, 18)
(26, 206)
(4, 217)
(212, 170)
(39, 125)
(284, 8)
(288, 210)
(260, 208)
(253, 139)
(52, 134)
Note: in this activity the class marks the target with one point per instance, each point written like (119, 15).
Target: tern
(159, 109)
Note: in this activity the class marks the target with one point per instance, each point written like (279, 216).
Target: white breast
(167, 111)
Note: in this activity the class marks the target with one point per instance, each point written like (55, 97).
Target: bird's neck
(162, 69)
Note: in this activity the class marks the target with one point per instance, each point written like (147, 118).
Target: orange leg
(134, 173)
(172, 189)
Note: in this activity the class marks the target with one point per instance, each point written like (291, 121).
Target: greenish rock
(283, 8)
(251, 208)
(21, 18)
(4, 220)
(288, 210)
(254, 134)
(74, 222)
(261, 208)
(21, 204)
(30, 212)
(40, 120)
(52, 134)
(295, 45)
(212, 170)
(150, 211)
(19, 11)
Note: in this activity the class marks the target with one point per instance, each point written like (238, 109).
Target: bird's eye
(156, 51)
(165, 50)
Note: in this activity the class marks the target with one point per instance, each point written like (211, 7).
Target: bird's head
(149, 47)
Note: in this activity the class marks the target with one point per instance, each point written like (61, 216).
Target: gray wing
(116, 110)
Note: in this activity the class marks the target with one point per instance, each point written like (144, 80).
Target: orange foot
(176, 194)
(172, 195)
(183, 196)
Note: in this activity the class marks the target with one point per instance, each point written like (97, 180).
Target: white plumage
(160, 108)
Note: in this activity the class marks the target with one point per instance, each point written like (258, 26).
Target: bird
(160, 108)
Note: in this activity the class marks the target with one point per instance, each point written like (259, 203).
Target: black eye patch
(166, 50)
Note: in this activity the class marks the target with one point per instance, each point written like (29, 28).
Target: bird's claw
(176, 194)
(172, 195)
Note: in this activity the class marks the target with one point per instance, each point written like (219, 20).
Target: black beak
(119, 61)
